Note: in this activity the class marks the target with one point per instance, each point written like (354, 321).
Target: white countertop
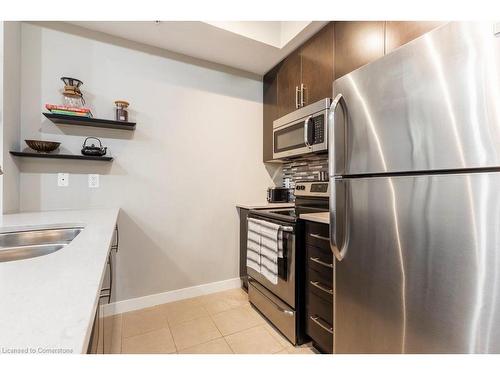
(319, 217)
(265, 205)
(49, 302)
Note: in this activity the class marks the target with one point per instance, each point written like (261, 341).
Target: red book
(50, 107)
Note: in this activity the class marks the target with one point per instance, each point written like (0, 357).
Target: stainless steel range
(283, 303)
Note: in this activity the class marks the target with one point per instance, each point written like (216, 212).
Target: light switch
(63, 179)
(93, 180)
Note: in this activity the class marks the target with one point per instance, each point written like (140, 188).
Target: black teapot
(93, 150)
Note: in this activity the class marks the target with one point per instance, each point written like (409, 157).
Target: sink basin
(34, 243)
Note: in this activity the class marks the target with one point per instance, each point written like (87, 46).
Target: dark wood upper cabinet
(288, 81)
(357, 43)
(401, 32)
(309, 67)
(317, 66)
(270, 111)
(306, 75)
(337, 49)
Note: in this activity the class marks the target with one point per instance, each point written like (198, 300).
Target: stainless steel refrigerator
(414, 165)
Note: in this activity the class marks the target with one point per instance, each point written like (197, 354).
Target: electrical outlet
(63, 179)
(93, 180)
(496, 29)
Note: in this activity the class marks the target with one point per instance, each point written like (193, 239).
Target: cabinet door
(402, 32)
(288, 81)
(243, 247)
(270, 111)
(357, 43)
(317, 65)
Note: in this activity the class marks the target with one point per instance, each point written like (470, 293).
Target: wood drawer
(320, 260)
(320, 285)
(320, 307)
(318, 235)
(320, 332)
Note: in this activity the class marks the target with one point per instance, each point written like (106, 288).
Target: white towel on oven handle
(253, 244)
(271, 247)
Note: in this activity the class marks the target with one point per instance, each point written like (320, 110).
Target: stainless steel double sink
(34, 243)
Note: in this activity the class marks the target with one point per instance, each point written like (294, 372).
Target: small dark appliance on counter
(277, 195)
(93, 150)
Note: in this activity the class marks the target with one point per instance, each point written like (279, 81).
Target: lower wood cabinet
(319, 286)
(243, 247)
(102, 337)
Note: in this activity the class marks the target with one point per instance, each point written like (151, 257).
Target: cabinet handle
(316, 260)
(316, 320)
(314, 235)
(302, 90)
(117, 243)
(296, 97)
(320, 287)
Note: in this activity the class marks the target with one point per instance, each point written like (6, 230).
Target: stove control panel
(312, 189)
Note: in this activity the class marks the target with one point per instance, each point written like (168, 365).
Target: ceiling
(252, 46)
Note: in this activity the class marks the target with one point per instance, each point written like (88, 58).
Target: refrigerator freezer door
(431, 104)
(421, 273)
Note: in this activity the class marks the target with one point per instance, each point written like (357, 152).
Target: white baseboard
(171, 296)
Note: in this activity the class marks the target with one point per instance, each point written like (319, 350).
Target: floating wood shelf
(89, 121)
(28, 154)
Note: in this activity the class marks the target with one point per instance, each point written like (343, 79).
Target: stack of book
(71, 111)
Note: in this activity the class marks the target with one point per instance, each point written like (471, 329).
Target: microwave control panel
(319, 129)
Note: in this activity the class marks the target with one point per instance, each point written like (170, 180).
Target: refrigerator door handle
(340, 211)
(339, 217)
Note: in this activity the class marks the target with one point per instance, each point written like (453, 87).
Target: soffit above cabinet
(252, 46)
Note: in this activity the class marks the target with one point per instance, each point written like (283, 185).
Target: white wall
(268, 32)
(196, 153)
(10, 113)
(290, 29)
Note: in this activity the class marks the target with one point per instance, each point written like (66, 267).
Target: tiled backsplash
(305, 168)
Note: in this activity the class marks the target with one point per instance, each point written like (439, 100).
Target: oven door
(291, 139)
(285, 289)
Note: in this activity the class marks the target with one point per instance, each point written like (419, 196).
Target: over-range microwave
(302, 132)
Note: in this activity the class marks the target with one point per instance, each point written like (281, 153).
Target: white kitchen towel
(269, 236)
(253, 244)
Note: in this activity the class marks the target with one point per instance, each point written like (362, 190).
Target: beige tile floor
(219, 323)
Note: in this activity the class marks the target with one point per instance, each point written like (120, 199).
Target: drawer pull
(316, 260)
(314, 235)
(316, 320)
(320, 287)
(278, 307)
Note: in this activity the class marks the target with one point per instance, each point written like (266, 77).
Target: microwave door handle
(306, 131)
(337, 211)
